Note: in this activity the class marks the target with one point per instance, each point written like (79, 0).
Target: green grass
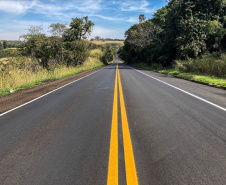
(211, 80)
(28, 85)
(4, 92)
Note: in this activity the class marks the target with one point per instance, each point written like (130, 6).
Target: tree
(65, 46)
(142, 18)
(39, 46)
(182, 29)
(57, 29)
(79, 29)
(77, 52)
(34, 29)
(1, 46)
(4, 44)
(216, 33)
(108, 54)
(97, 38)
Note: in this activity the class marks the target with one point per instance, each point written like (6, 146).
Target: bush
(96, 53)
(212, 64)
(108, 54)
(77, 52)
(10, 53)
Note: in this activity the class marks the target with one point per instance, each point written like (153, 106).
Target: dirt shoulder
(22, 96)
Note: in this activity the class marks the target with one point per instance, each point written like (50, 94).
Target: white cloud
(137, 6)
(10, 35)
(66, 7)
(62, 11)
(14, 29)
(130, 19)
(107, 33)
(16, 7)
(74, 9)
(21, 26)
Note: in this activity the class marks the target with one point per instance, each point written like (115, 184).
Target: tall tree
(79, 29)
(97, 38)
(57, 29)
(108, 54)
(1, 46)
(182, 29)
(34, 29)
(4, 44)
(142, 18)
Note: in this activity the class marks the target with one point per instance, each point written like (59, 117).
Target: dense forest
(184, 30)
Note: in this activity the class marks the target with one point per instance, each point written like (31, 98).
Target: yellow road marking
(113, 156)
(131, 175)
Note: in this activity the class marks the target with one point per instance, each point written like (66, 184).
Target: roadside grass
(208, 65)
(210, 80)
(13, 78)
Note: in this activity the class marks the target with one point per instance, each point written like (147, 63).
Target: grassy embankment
(209, 69)
(21, 72)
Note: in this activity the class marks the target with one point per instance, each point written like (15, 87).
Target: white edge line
(47, 94)
(215, 105)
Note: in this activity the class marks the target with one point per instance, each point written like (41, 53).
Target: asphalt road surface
(119, 125)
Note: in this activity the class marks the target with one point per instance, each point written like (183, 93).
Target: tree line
(66, 46)
(105, 39)
(182, 29)
(10, 44)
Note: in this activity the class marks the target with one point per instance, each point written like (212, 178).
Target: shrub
(212, 64)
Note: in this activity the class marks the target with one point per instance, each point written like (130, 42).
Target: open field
(100, 42)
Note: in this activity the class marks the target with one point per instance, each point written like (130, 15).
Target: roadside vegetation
(205, 79)
(187, 38)
(22, 72)
(115, 44)
(41, 58)
(4, 44)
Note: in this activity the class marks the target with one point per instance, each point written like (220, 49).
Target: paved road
(138, 130)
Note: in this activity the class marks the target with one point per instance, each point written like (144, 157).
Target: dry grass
(99, 42)
(4, 60)
(13, 76)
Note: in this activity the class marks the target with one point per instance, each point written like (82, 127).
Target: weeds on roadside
(23, 72)
(211, 65)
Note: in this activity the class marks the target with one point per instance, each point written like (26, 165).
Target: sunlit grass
(100, 42)
(14, 77)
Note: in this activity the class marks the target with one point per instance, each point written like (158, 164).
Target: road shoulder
(212, 94)
(22, 96)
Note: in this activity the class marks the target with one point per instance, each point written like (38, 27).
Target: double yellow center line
(131, 175)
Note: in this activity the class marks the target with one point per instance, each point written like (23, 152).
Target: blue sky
(111, 18)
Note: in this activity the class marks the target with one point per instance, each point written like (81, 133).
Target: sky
(111, 17)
